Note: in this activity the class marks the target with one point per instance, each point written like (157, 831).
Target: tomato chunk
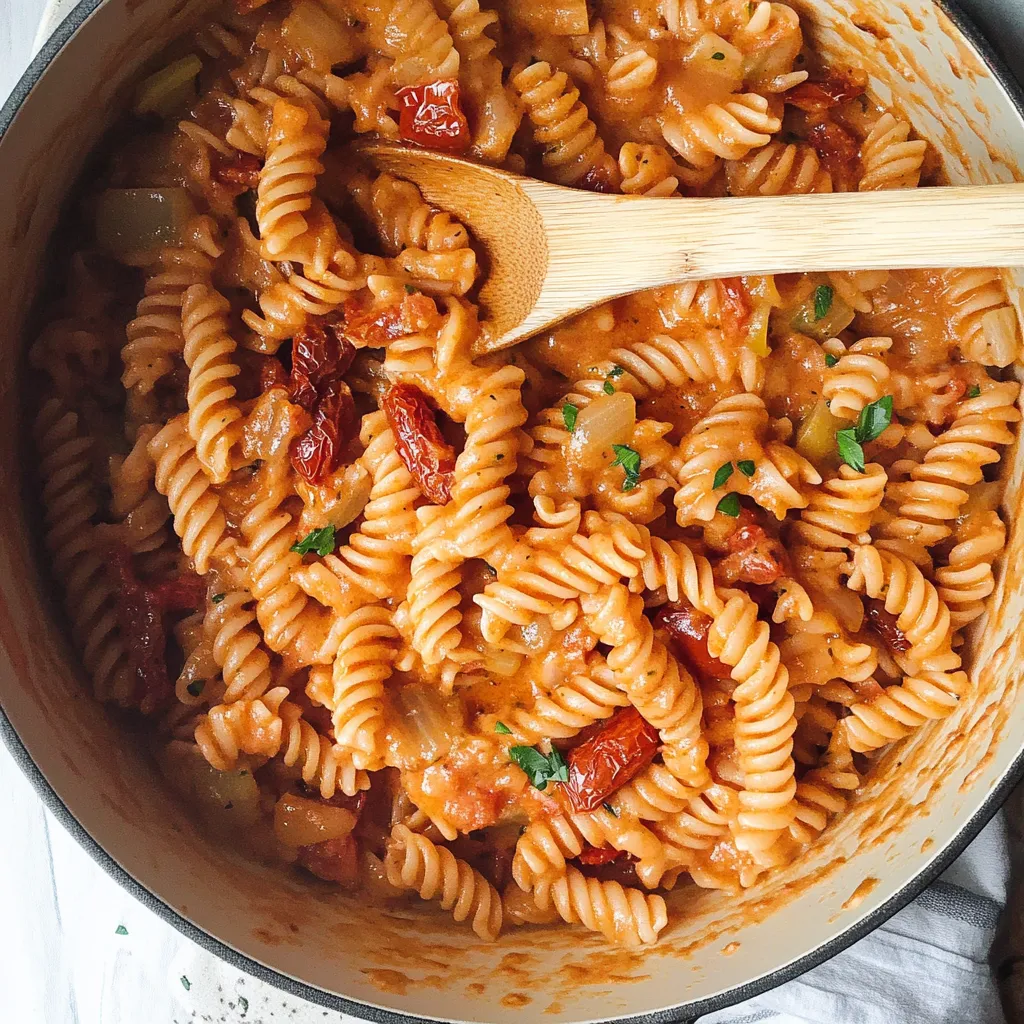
(884, 624)
(431, 116)
(618, 752)
(182, 593)
(316, 453)
(753, 557)
(830, 91)
(836, 147)
(689, 631)
(335, 860)
(595, 855)
(734, 308)
(241, 173)
(376, 327)
(419, 442)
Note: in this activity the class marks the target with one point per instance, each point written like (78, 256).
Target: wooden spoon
(551, 251)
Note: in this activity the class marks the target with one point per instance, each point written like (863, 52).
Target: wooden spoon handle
(677, 240)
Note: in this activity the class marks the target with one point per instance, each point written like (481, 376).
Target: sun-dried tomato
(374, 328)
(689, 631)
(241, 172)
(431, 116)
(734, 308)
(884, 623)
(753, 557)
(618, 752)
(419, 442)
(334, 860)
(316, 452)
(257, 373)
(140, 618)
(594, 855)
(837, 148)
(867, 689)
(826, 93)
(319, 355)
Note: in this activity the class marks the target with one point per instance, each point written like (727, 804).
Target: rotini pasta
(541, 634)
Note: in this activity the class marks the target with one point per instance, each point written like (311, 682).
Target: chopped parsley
(321, 541)
(873, 419)
(718, 55)
(186, 984)
(722, 475)
(609, 388)
(822, 301)
(196, 687)
(569, 414)
(746, 467)
(629, 459)
(120, 930)
(831, 360)
(502, 729)
(243, 1005)
(616, 371)
(217, 598)
(730, 505)
(540, 768)
(410, 290)
(975, 391)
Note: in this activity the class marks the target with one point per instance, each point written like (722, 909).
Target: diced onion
(302, 822)
(997, 337)
(226, 800)
(608, 420)
(318, 39)
(169, 89)
(816, 435)
(131, 223)
(839, 316)
(426, 725)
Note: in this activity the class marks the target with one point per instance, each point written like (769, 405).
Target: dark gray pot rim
(676, 1015)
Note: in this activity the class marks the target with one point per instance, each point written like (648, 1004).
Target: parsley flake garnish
(746, 467)
(873, 419)
(540, 768)
(718, 55)
(410, 290)
(730, 505)
(196, 687)
(569, 414)
(243, 1005)
(217, 598)
(120, 930)
(722, 474)
(609, 388)
(629, 460)
(975, 391)
(502, 729)
(831, 360)
(822, 300)
(321, 541)
(616, 371)
(186, 984)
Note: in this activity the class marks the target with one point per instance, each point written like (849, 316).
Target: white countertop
(63, 957)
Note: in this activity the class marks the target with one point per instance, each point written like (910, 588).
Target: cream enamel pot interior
(926, 800)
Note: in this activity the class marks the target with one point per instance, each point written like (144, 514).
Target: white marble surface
(62, 960)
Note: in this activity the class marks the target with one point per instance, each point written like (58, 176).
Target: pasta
(545, 634)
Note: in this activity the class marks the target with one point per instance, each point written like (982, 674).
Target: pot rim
(683, 1012)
